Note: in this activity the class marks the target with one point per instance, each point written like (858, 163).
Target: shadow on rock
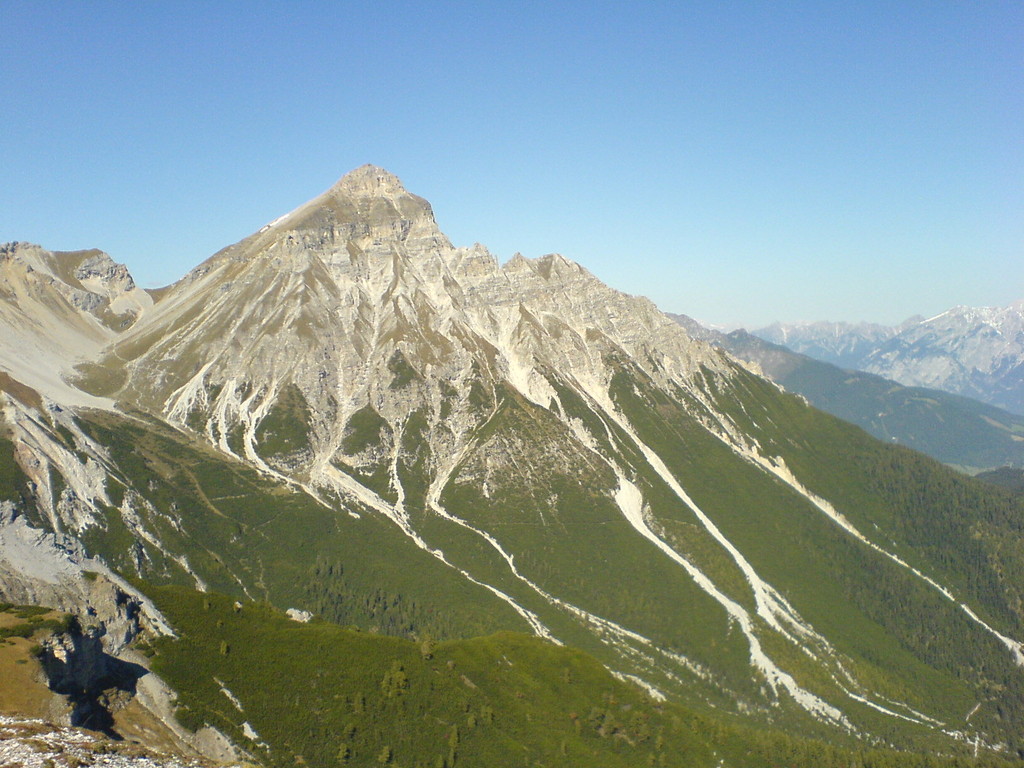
(95, 683)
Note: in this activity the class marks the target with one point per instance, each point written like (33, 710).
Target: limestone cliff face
(356, 300)
(367, 210)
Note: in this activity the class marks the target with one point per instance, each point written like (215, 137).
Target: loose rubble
(38, 744)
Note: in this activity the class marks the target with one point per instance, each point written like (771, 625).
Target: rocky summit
(347, 418)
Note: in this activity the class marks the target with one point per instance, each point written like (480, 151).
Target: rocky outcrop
(90, 281)
(95, 683)
(91, 667)
(40, 567)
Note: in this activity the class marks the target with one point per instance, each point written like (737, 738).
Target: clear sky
(741, 162)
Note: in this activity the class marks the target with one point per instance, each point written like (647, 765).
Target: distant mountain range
(956, 430)
(360, 496)
(977, 352)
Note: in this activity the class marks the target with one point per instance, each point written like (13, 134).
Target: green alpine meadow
(346, 494)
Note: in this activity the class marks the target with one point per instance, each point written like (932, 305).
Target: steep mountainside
(977, 352)
(57, 309)
(345, 414)
(973, 351)
(956, 430)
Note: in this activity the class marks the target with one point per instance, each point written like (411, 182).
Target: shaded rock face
(81, 663)
(95, 683)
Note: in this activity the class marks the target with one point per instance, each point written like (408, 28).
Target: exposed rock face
(59, 309)
(39, 567)
(368, 209)
(43, 561)
(89, 281)
(389, 315)
(96, 684)
(91, 665)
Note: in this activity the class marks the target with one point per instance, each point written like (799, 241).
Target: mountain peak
(369, 181)
(370, 207)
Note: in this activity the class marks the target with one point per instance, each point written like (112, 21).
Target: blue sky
(740, 162)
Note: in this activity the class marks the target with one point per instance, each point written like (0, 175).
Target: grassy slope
(246, 534)
(320, 695)
(799, 552)
(966, 535)
(560, 522)
(21, 629)
(234, 525)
